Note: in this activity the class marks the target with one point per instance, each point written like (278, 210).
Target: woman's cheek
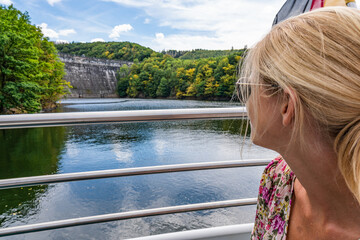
(252, 125)
(252, 132)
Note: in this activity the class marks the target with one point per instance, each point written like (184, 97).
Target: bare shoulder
(305, 223)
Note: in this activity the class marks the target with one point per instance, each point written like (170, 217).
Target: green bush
(31, 74)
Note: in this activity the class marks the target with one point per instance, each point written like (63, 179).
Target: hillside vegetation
(31, 74)
(125, 51)
(201, 53)
(164, 76)
(196, 74)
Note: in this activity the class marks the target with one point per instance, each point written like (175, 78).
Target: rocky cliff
(91, 77)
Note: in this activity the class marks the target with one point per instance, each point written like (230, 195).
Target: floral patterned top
(274, 201)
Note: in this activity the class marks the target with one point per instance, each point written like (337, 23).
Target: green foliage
(202, 53)
(30, 71)
(200, 74)
(174, 53)
(123, 83)
(163, 89)
(165, 76)
(125, 51)
(26, 95)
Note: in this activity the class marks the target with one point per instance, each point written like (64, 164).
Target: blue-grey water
(38, 151)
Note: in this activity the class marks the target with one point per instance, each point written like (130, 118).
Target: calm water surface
(38, 151)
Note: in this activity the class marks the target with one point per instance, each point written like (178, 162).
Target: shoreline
(149, 98)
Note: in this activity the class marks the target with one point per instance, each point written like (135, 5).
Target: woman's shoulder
(277, 165)
(276, 181)
(277, 172)
(274, 201)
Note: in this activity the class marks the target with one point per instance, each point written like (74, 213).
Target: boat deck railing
(81, 118)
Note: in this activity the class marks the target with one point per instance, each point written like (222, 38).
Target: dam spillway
(91, 77)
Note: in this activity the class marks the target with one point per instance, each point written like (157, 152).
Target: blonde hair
(317, 55)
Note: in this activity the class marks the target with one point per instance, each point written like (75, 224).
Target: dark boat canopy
(295, 7)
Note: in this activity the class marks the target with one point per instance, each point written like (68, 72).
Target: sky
(158, 24)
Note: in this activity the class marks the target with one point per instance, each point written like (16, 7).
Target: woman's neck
(324, 190)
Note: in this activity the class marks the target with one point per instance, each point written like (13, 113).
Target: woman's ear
(288, 107)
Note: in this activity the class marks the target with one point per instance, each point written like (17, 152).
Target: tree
(52, 72)
(164, 88)
(164, 76)
(31, 74)
(123, 80)
(111, 50)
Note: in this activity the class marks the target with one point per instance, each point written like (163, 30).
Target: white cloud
(72, 150)
(225, 22)
(187, 42)
(66, 32)
(122, 153)
(6, 2)
(97, 40)
(115, 33)
(52, 2)
(61, 41)
(132, 3)
(159, 36)
(147, 21)
(48, 32)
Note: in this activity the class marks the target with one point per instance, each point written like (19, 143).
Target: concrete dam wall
(91, 77)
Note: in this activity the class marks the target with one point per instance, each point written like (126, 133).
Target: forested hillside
(165, 76)
(126, 51)
(201, 53)
(197, 74)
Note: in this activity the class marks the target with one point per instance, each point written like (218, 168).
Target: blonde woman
(301, 85)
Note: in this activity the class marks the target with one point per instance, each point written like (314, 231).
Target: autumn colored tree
(165, 76)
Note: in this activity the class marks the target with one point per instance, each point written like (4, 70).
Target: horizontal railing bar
(75, 118)
(238, 231)
(67, 177)
(124, 215)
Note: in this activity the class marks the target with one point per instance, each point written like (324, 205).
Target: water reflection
(27, 152)
(109, 146)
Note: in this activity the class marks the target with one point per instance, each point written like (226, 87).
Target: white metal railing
(66, 119)
(123, 215)
(69, 118)
(67, 177)
(231, 232)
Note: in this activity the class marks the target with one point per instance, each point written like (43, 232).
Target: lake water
(38, 151)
